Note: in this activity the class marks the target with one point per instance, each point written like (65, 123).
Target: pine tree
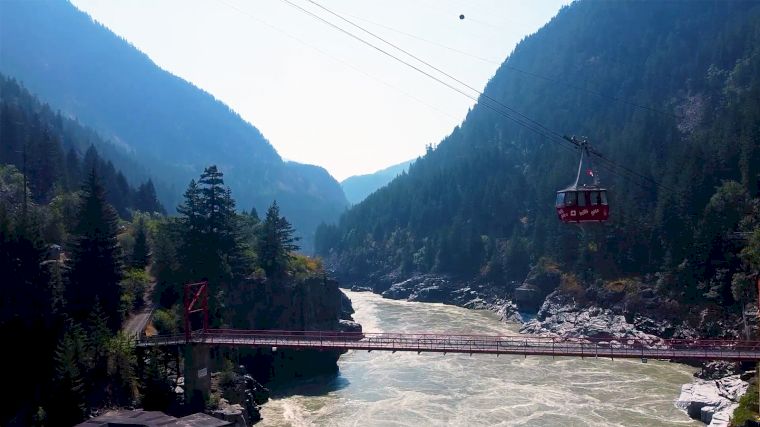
(91, 160)
(211, 246)
(191, 254)
(68, 406)
(96, 348)
(95, 257)
(146, 199)
(122, 379)
(276, 242)
(155, 387)
(166, 262)
(140, 251)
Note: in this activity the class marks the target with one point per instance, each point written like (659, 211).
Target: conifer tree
(122, 379)
(192, 224)
(155, 388)
(166, 261)
(140, 251)
(146, 199)
(96, 350)
(276, 242)
(211, 246)
(95, 257)
(68, 406)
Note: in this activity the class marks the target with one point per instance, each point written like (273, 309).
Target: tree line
(57, 153)
(66, 308)
(81, 250)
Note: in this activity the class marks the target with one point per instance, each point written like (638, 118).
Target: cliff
(312, 303)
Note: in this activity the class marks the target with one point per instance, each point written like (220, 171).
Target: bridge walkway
(732, 350)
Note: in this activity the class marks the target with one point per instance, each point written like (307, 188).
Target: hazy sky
(319, 96)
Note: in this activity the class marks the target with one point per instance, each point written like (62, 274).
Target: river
(407, 389)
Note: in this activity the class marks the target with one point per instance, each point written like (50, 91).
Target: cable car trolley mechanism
(582, 202)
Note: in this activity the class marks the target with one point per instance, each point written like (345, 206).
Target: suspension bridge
(732, 350)
(196, 301)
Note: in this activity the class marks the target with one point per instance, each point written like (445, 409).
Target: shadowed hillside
(173, 127)
(670, 90)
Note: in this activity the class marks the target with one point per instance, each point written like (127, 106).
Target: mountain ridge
(81, 68)
(358, 187)
(480, 205)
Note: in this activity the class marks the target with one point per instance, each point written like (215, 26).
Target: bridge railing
(514, 344)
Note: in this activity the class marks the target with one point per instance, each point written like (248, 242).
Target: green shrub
(133, 289)
(747, 409)
(166, 321)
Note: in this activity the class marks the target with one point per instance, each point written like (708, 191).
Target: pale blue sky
(319, 96)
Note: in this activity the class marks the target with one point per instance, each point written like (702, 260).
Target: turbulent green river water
(407, 389)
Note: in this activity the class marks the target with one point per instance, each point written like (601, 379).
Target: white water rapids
(407, 389)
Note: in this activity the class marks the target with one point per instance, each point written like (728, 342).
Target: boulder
(349, 326)
(401, 290)
(508, 312)
(431, 292)
(528, 297)
(718, 369)
(712, 401)
(245, 393)
(544, 277)
(559, 316)
(233, 413)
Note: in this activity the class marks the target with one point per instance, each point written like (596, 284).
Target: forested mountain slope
(81, 250)
(57, 153)
(173, 127)
(358, 187)
(480, 205)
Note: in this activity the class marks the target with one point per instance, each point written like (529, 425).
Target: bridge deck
(472, 344)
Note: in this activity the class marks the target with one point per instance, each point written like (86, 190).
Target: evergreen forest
(82, 249)
(668, 94)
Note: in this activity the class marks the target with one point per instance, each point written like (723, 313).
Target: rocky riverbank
(714, 395)
(312, 303)
(546, 310)
(238, 397)
(560, 315)
(442, 289)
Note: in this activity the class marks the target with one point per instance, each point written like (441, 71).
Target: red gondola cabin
(582, 204)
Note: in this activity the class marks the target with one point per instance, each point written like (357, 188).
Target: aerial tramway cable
(484, 100)
(400, 49)
(534, 126)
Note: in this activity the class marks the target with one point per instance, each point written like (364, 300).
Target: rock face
(560, 316)
(712, 401)
(234, 413)
(240, 397)
(718, 369)
(311, 304)
(540, 282)
(528, 297)
(444, 289)
(314, 303)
